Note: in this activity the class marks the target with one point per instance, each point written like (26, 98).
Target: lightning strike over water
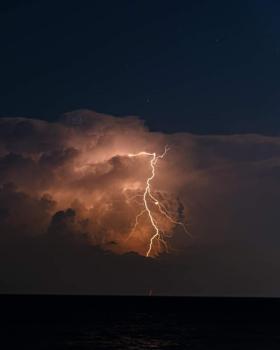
(149, 198)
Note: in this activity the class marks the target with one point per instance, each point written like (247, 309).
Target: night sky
(126, 120)
(198, 66)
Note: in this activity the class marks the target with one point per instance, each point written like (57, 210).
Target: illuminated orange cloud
(112, 172)
(128, 191)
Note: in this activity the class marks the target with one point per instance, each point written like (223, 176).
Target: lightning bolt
(148, 197)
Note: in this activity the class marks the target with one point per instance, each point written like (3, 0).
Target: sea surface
(92, 322)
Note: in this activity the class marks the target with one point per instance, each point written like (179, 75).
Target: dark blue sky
(198, 66)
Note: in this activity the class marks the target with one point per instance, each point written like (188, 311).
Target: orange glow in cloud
(129, 213)
(115, 175)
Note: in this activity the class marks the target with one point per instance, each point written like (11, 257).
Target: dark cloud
(21, 214)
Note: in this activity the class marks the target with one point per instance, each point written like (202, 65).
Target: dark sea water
(44, 322)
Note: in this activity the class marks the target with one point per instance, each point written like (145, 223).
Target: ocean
(122, 322)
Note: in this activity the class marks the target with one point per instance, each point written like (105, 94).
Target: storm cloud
(66, 209)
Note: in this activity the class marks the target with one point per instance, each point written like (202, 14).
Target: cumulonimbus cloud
(73, 179)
